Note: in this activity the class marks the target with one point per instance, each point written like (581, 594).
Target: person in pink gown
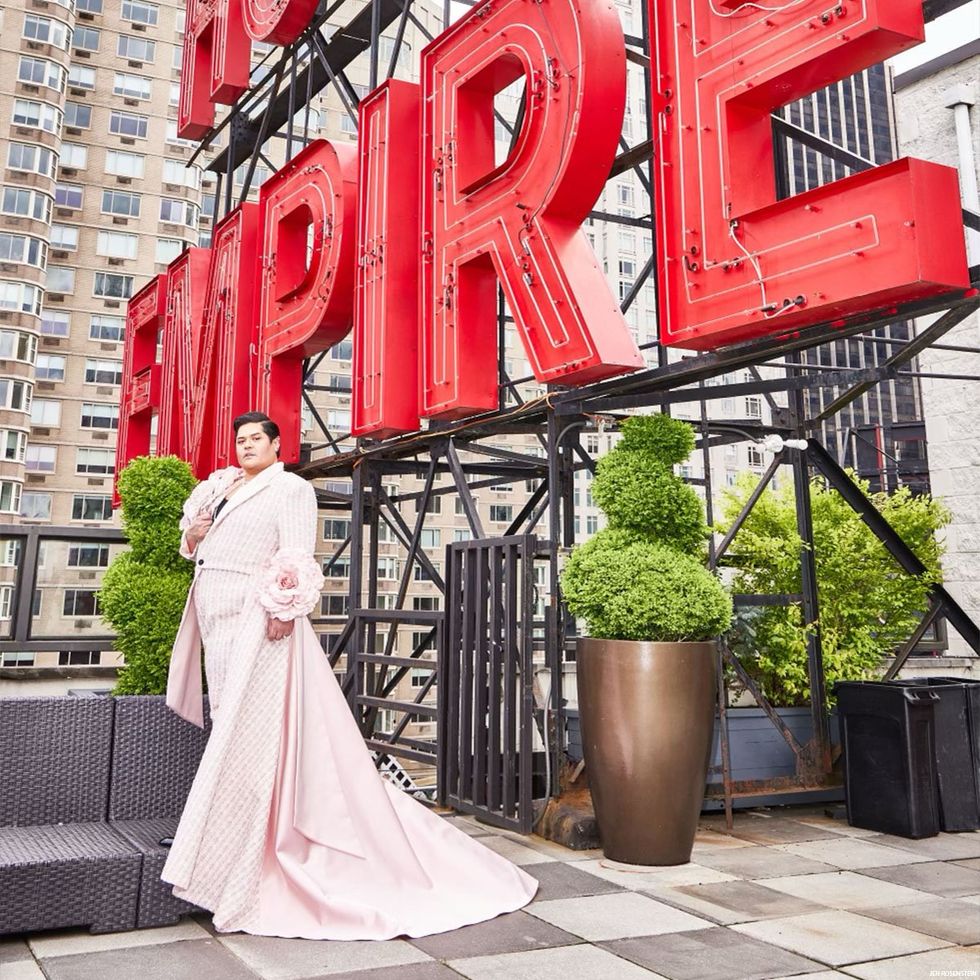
(289, 829)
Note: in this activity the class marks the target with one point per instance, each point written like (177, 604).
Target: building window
(32, 158)
(50, 367)
(23, 248)
(121, 203)
(430, 538)
(99, 415)
(61, 279)
(78, 116)
(176, 172)
(111, 285)
(40, 115)
(343, 350)
(88, 556)
(102, 372)
(10, 496)
(128, 124)
(45, 413)
(18, 346)
(96, 462)
(501, 513)
(81, 76)
(140, 13)
(26, 203)
(91, 507)
(20, 297)
(131, 86)
(13, 443)
(74, 155)
(47, 31)
(40, 71)
(41, 459)
(335, 529)
(68, 195)
(135, 48)
(434, 506)
(81, 602)
(55, 324)
(89, 6)
(108, 329)
(333, 605)
(6, 601)
(86, 39)
(339, 569)
(35, 506)
(64, 238)
(79, 658)
(462, 534)
(387, 569)
(167, 250)
(177, 212)
(124, 164)
(425, 603)
(117, 245)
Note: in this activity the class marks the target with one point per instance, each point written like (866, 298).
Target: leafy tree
(643, 577)
(144, 589)
(868, 605)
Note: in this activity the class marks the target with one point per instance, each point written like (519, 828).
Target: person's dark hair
(268, 426)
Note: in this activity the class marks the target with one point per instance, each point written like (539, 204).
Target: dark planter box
(758, 751)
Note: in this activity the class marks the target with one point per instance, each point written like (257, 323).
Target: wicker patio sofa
(88, 786)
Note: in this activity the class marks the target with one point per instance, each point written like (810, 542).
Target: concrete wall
(926, 129)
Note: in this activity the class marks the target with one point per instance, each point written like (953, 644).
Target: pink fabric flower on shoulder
(291, 584)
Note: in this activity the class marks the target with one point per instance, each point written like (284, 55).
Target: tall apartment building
(881, 434)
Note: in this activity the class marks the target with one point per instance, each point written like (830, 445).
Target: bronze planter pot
(647, 714)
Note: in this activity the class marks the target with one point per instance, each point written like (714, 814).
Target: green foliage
(630, 589)
(642, 578)
(144, 589)
(638, 493)
(153, 490)
(666, 438)
(868, 605)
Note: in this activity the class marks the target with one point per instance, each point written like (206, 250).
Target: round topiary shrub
(643, 577)
(144, 589)
(629, 589)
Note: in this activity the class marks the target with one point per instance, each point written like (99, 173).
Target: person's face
(255, 449)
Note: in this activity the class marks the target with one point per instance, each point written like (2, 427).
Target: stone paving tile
(972, 899)
(511, 933)
(712, 840)
(561, 879)
(582, 962)
(298, 959)
(66, 942)
(761, 862)
(937, 877)
(556, 852)
(851, 854)
(412, 971)
(614, 916)
(203, 958)
(775, 830)
(519, 854)
(838, 938)
(945, 918)
(13, 949)
(819, 975)
(941, 962)
(847, 890)
(969, 863)
(710, 954)
(470, 826)
(944, 847)
(20, 970)
(735, 901)
(841, 827)
(637, 877)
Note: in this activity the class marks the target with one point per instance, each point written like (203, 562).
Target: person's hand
(278, 629)
(199, 528)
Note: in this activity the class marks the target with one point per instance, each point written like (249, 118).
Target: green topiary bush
(643, 577)
(144, 589)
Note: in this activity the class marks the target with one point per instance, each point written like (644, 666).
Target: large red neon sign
(734, 262)
(417, 272)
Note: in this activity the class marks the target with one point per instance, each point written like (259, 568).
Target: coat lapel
(255, 485)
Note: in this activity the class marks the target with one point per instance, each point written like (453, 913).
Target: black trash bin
(887, 735)
(957, 738)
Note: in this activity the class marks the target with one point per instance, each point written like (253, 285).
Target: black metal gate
(485, 680)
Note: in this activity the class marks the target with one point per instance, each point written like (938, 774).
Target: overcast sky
(951, 31)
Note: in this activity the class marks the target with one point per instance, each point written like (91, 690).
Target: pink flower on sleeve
(291, 584)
